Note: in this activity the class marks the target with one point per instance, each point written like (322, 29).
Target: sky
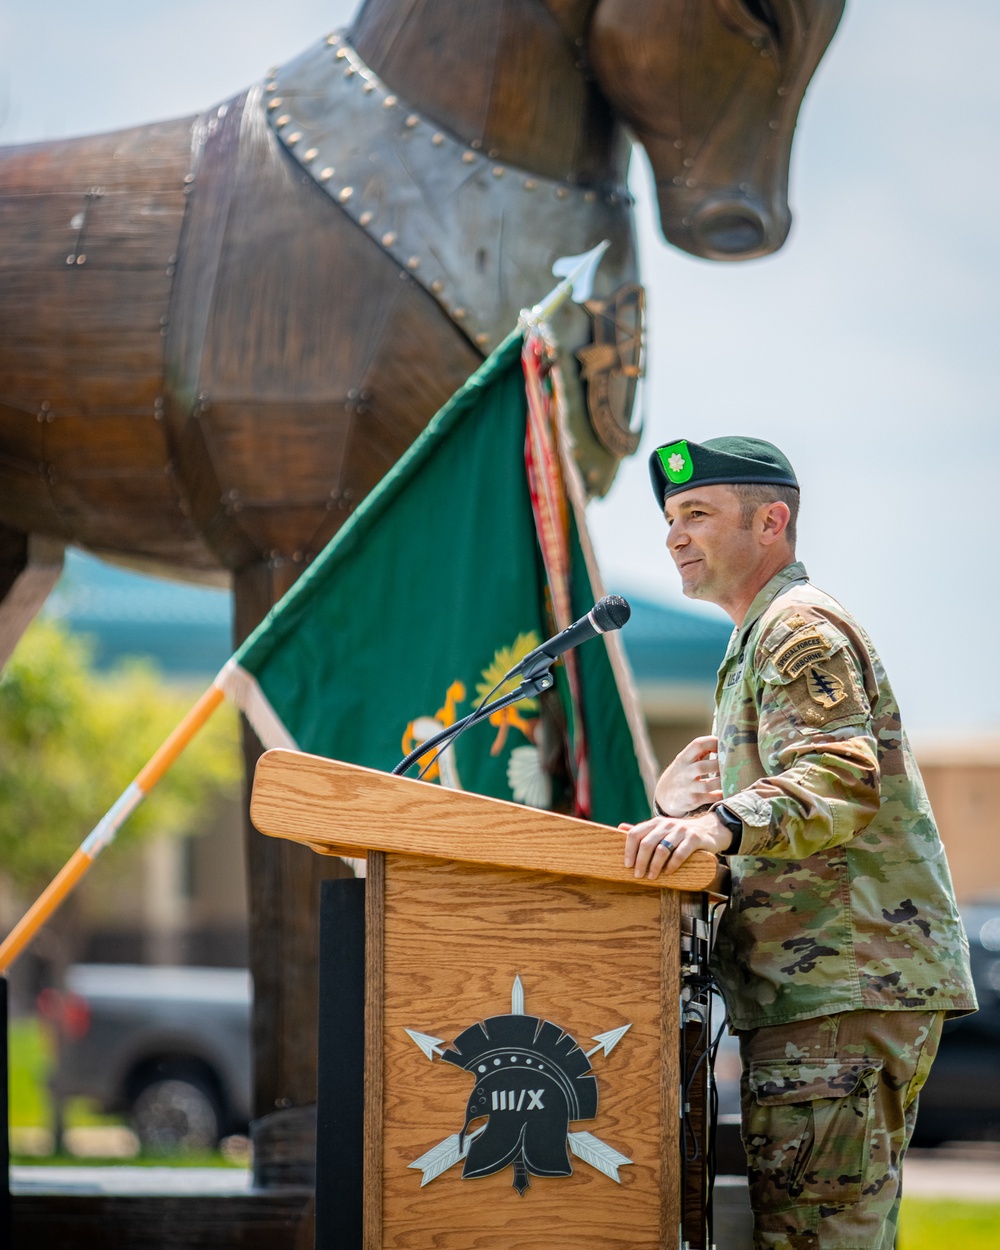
(865, 348)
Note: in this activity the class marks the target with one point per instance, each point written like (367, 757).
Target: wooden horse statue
(218, 333)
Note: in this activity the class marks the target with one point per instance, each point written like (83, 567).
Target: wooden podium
(478, 910)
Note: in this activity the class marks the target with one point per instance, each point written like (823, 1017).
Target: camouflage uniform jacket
(841, 895)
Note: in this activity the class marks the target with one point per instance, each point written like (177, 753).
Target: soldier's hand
(692, 780)
(663, 843)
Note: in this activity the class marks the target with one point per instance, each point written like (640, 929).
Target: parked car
(961, 1099)
(169, 1047)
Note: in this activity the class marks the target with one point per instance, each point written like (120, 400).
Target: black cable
(526, 690)
(474, 714)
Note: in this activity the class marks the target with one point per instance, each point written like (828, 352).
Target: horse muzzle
(722, 225)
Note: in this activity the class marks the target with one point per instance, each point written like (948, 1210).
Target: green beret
(682, 465)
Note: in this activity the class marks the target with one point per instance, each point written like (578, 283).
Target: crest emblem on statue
(612, 365)
(532, 1081)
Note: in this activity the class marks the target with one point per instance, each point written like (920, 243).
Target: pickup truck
(168, 1047)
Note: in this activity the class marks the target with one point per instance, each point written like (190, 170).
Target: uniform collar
(791, 573)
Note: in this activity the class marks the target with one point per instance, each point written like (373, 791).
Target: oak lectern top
(343, 809)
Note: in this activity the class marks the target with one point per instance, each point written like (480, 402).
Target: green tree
(71, 739)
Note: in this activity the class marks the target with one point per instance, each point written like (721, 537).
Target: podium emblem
(532, 1081)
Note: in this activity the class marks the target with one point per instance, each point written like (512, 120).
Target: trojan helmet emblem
(532, 1080)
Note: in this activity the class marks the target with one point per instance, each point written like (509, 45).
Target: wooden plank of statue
(591, 957)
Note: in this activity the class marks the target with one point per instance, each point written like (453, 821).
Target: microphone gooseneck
(607, 614)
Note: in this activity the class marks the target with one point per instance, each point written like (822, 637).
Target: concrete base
(732, 1221)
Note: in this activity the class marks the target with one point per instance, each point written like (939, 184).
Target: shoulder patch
(799, 651)
(828, 690)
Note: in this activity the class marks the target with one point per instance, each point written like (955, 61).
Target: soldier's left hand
(664, 843)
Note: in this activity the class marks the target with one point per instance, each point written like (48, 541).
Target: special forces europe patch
(532, 1080)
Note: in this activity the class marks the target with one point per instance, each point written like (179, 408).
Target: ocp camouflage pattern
(841, 894)
(829, 1107)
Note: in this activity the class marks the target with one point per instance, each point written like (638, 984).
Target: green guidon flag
(427, 595)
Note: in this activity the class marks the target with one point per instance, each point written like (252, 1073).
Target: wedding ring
(668, 845)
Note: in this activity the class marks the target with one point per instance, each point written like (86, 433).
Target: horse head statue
(712, 89)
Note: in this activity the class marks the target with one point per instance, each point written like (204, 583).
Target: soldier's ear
(773, 519)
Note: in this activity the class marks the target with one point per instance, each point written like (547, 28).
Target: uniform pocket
(807, 1131)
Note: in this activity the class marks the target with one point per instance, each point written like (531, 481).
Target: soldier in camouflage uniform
(841, 951)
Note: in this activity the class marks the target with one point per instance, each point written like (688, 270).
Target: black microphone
(607, 614)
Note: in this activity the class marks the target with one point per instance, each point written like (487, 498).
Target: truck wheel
(175, 1114)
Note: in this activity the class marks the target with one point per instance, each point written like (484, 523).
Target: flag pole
(577, 274)
(104, 832)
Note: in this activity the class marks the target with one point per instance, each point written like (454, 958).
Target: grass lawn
(30, 1063)
(932, 1223)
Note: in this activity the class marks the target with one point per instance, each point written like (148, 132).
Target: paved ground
(966, 1170)
(127, 1180)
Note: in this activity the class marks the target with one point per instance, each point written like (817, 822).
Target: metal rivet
(678, 180)
(294, 137)
(412, 120)
(476, 143)
(437, 138)
(189, 178)
(271, 86)
(688, 162)
(678, 143)
(493, 153)
(498, 171)
(782, 91)
(349, 71)
(311, 154)
(468, 157)
(437, 287)
(276, 103)
(332, 40)
(389, 238)
(413, 262)
(561, 193)
(368, 88)
(81, 259)
(345, 194)
(71, 259)
(326, 174)
(773, 125)
(590, 196)
(691, 182)
(459, 314)
(530, 184)
(482, 339)
(341, 53)
(389, 102)
(283, 120)
(367, 217)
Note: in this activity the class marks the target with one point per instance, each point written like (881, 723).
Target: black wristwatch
(733, 824)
